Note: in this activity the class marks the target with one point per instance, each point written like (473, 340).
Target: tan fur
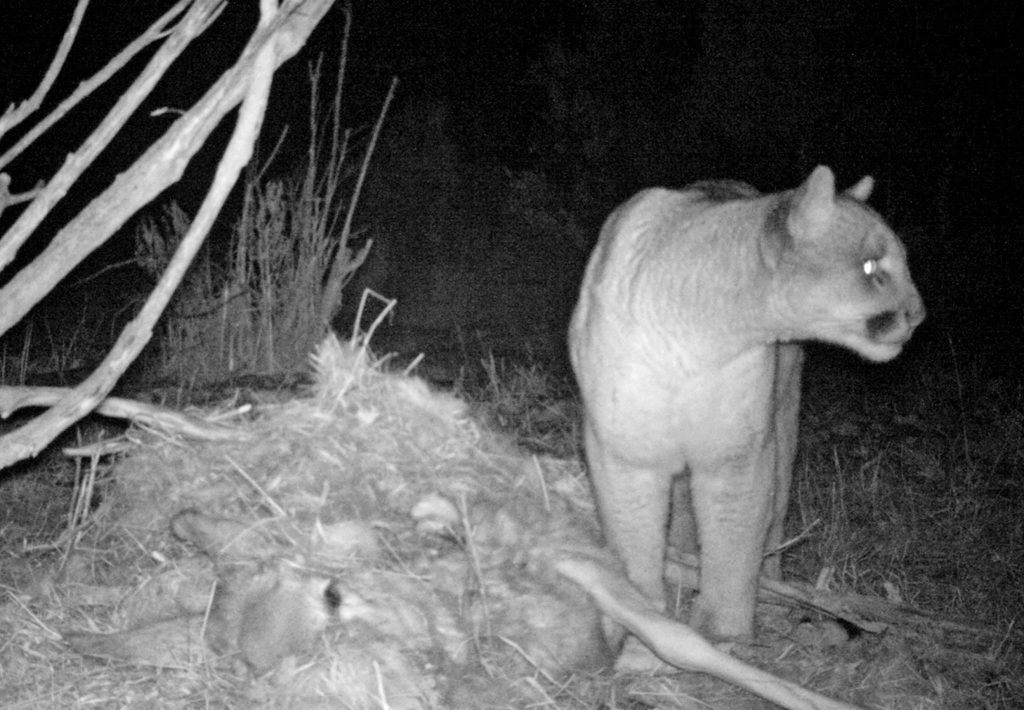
(270, 614)
(678, 645)
(683, 346)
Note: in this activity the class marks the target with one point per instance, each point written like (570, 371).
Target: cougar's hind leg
(633, 503)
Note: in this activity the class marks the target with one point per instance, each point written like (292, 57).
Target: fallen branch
(153, 416)
(867, 613)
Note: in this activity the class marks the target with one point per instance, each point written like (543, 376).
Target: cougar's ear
(813, 204)
(862, 190)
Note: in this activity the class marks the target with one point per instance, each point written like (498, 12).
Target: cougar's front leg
(733, 504)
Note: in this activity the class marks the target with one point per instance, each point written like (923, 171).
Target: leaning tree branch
(13, 116)
(280, 35)
(199, 17)
(159, 167)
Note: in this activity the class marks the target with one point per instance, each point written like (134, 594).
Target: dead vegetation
(444, 542)
(428, 522)
(281, 33)
(262, 306)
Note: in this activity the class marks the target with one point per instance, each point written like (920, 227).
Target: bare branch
(9, 198)
(156, 31)
(170, 421)
(160, 166)
(274, 42)
(190, 27)
(13, 116)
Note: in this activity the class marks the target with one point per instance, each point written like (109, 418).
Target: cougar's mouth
(881, 325)
(894, 326)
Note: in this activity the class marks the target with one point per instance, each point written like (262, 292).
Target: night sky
(604, 98)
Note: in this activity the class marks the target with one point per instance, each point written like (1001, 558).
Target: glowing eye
(874, 273)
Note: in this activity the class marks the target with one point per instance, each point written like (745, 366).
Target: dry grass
(262, 303)
(907, 484)
(540, 412)
(361, 448)
(55, 347)
(899, 497)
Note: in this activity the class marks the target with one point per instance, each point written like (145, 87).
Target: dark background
(519, 125)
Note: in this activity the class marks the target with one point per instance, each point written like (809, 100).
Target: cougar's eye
(873, 271)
